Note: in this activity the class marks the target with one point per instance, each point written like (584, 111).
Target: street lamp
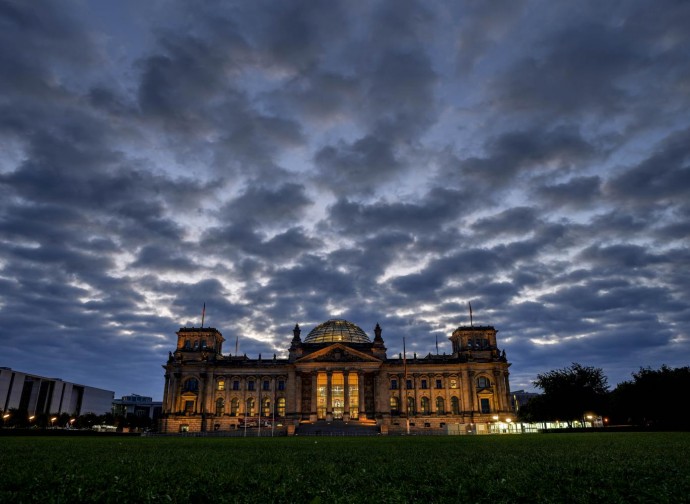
(52, 420)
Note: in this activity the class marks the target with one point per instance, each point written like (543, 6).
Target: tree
(570, 393)
(651, 398)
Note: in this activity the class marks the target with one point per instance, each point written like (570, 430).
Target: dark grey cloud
(383, 162)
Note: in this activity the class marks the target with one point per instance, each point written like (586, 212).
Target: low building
(140, 406)
(337, 374)
(40, 395)
(521, 397)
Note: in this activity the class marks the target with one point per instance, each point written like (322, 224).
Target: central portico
(335, 362)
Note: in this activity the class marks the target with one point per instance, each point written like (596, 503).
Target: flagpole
(203, 314)
(407, 412)
(470, 304)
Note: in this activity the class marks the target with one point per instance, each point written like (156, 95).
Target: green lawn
(591, 467)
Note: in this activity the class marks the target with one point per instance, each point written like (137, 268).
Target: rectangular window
(267, 385)
(221, 385)
(424, 384)
(250, 385)
(394, 384)
(236, 385)
(409, 384)
(281, 385)
(189, 406)
(439, 383)
(486, 408)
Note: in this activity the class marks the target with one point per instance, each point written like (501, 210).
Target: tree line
(652, 398)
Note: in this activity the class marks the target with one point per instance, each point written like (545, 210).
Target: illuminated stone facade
(337, 374)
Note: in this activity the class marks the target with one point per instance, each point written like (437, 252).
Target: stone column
(362, 406)
(312, 414)
(346, 384)
(446, 393)
(293, 394)
(416, 397)
(499, 390)
(469, 390)
(329, 396)
(166, 393)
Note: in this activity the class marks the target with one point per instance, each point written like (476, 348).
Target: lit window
(440, 406)
(281, 406)
(220, 406)
(395, 405)
(221, 384)
(455, 405)
(453, 383)
(425, 406)
(234, 407)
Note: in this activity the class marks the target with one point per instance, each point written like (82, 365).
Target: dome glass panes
(337, 330)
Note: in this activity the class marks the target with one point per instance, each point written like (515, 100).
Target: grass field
(592, 467)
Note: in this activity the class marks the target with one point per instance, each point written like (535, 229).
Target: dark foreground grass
(577, 468)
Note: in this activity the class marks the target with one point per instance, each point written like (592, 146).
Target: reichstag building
(335, 374)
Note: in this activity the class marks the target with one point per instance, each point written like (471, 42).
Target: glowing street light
(52, 420)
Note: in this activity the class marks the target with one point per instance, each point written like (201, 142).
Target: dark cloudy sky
(290, 162)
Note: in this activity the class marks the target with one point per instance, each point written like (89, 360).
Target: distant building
(37, 394)
(520, 398)
(137, 405)
(337, 374)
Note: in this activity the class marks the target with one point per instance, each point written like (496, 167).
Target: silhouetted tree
(569, 394)
(651, 398)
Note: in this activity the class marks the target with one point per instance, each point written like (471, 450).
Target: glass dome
(337, 330)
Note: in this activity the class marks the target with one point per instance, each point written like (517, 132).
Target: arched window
(395, 406)
(440, 406)
(425, 406)
(191, 385)
(410, 406)
(281, 406)
(483, 382)
(266, 407)
(250, 406)
(221, 384)
(234, 407)
(220, 406)
(455, 405)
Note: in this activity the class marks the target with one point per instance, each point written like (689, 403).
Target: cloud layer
(383, 162)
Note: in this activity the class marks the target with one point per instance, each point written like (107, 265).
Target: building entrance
(332, 393)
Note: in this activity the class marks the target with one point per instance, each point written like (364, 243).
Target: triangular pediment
(337, 353)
